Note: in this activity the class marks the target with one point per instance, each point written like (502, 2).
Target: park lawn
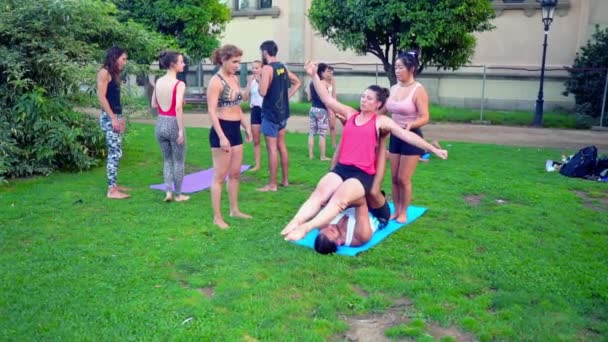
(75, 266)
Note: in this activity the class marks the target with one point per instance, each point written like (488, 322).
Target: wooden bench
(196, 98)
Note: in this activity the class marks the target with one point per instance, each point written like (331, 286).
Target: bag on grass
(582, 163)
(601, 168)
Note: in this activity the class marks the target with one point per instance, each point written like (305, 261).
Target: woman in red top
(170, 132)
(352, 177)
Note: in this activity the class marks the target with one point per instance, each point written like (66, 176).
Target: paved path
(502, 135)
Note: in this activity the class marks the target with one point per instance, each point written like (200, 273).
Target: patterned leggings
(174, 154)
(114, 142)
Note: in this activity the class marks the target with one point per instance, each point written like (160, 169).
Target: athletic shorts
(256, 115)
(403, 148)
(232, 131)
(271, 129)
(319, 122)
(349, 171)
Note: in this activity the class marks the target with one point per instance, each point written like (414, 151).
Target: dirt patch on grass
(438, 332)
(474, 200)
(361, 292)
(597, 203)
(372, 327)
(207, 291)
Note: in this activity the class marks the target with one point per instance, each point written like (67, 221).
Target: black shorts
(349, 171)
(399, 146)
(256, 115)
(232, 131)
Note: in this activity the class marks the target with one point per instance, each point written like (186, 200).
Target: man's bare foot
(239, 214)
(285, 184)
(267, 188)
(182, 198)
(393, 216)
(255, 168)
(325, 158)
(401, 218)
(168, 197)
(310, 156)
(115, 194)
(220, 223)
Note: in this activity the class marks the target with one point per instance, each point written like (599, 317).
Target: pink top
(171, 111)
(404, 111)
(358, 145)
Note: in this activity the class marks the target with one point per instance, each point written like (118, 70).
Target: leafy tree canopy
(442, 29)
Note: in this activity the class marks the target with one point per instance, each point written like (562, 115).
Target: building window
(254, 8)
(529, 7)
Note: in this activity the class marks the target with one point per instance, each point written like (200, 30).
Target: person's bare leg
(257, 152)
(363, 229)
(271, 147)
(221, 163)
(395, 182)
(322, 148)
(332, 130)
(348, 192)
(282, 146)
(234, 176)
(325, 188)
(311, 146)
(407, 166)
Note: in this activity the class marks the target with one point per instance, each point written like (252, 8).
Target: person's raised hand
(310, 67)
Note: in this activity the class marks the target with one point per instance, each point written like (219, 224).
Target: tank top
(404, 111)
(228, 97)
(315, 99)
(113, 96)
(171, 111)
(255, 99)
(358, 145)
(275, 106)
(351, 214)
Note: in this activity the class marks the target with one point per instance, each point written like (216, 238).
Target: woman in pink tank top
(352, 176)
(409, 105)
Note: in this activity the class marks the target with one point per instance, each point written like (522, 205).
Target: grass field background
(505, 252)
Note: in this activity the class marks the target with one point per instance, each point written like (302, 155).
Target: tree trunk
(390, 72)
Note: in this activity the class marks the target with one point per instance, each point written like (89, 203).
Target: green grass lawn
(528, 262)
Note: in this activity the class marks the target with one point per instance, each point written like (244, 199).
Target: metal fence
(480, 87)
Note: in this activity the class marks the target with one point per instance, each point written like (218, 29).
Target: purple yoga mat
(195, 182)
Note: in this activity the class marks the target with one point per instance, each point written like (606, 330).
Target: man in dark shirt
(276, 90)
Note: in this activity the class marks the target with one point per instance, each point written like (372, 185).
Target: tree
(195, 24)
(588, 75)
(48, 47)
(442, 29)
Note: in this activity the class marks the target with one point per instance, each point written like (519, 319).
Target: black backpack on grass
(582, 163)
(601, 168)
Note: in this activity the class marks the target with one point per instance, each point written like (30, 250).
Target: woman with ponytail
(170, 131)
(352, 176)
(409, 106)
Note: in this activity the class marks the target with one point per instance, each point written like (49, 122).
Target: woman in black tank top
(111, 122)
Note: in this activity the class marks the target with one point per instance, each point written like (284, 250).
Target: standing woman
(111, 120)
(252, 92)
(170, 132)
(318, 115)
(409, 105)
(224, 98)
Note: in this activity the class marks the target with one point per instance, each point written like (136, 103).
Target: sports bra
(228, 97)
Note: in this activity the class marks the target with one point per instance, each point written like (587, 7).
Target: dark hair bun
(166, 58)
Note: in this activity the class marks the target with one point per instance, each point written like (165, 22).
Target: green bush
(40, 135)
(49, 49)
(587, 84)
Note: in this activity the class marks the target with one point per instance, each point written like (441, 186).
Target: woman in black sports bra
(224, 97)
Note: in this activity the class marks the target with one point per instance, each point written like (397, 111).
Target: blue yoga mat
(413, 213)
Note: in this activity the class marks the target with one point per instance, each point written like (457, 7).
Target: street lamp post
(548, 11)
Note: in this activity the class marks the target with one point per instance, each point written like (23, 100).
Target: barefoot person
(111, 120)
(353, 176)
(318, 115)
(409, 105)
(170, 131)
(252, 93)
(274, 87)
(224, 98)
